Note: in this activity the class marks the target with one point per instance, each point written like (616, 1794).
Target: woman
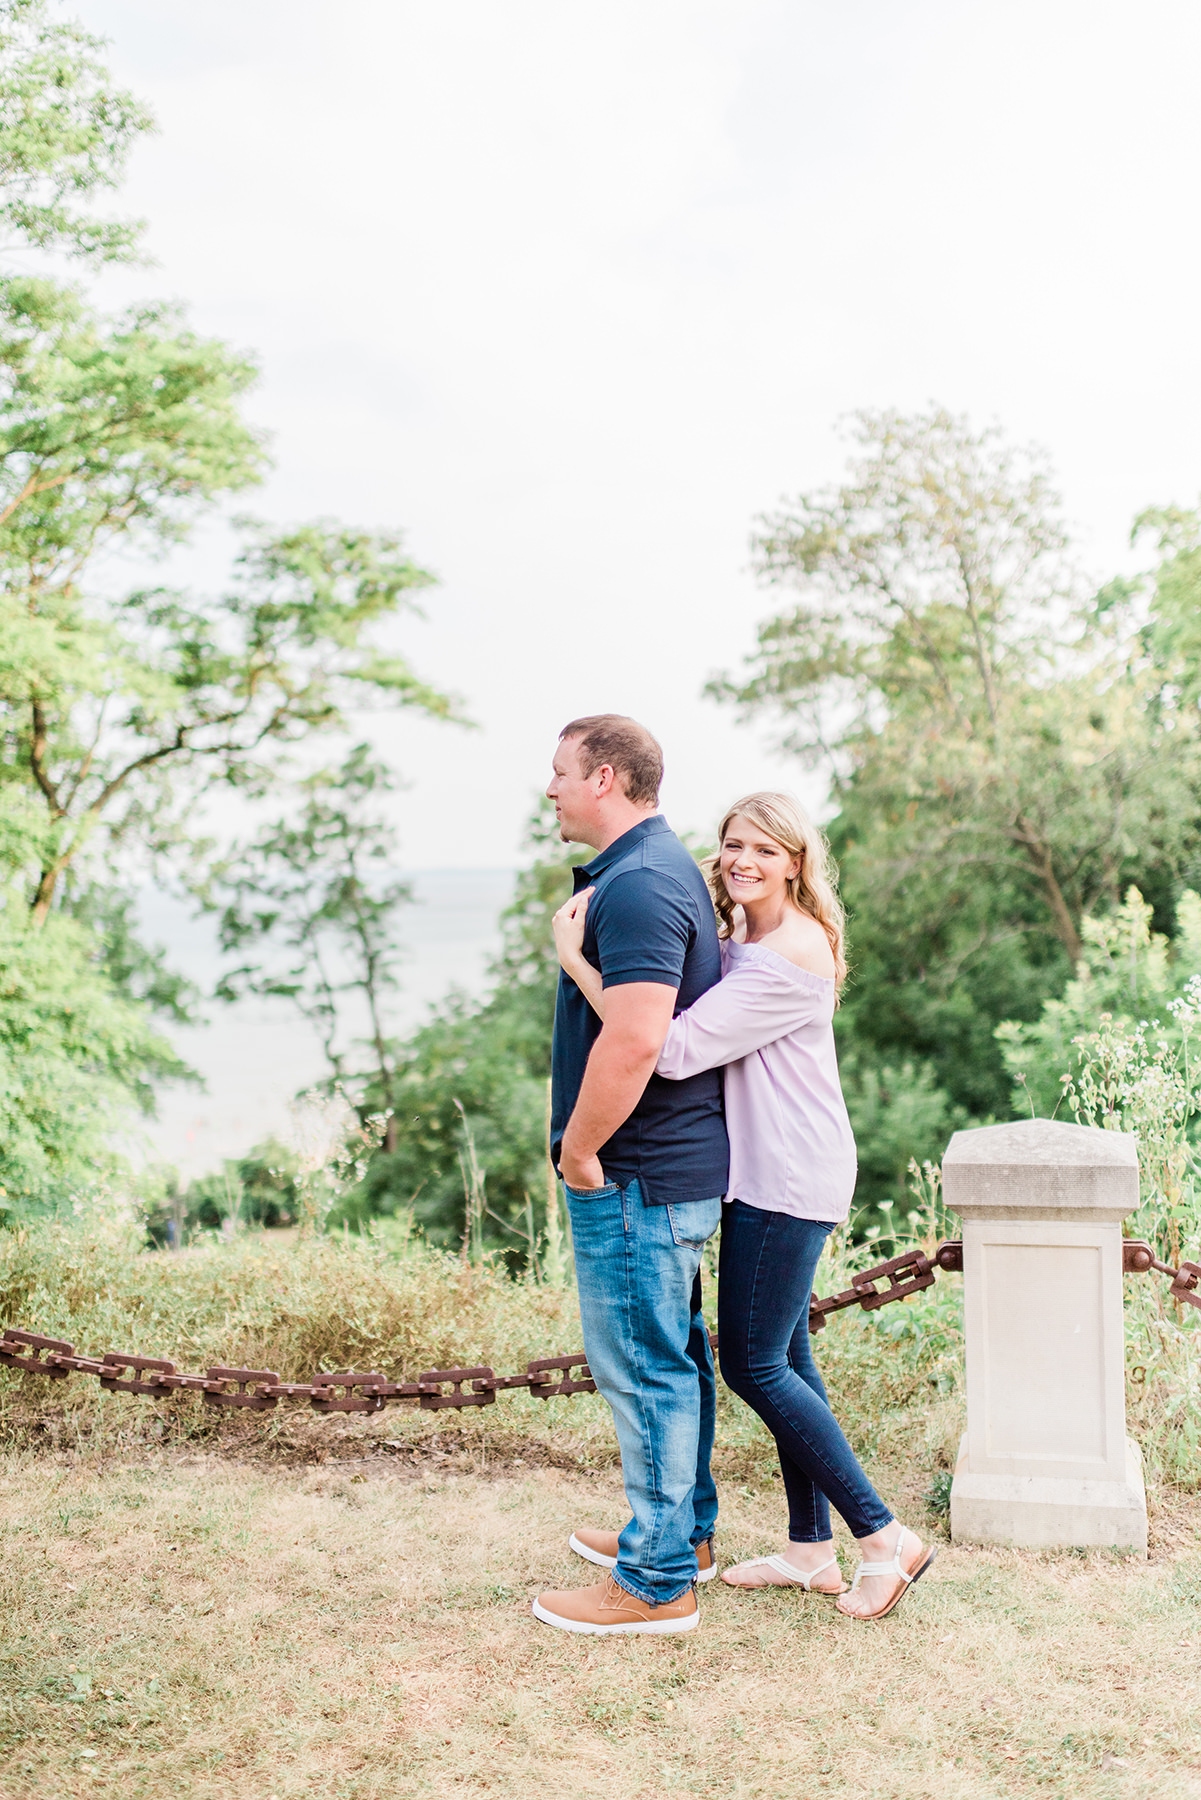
(769, 1021)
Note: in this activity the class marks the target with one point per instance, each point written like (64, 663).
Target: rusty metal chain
(905, 1275)
(1138, 1258)
(367, 1390)
(547, 1377)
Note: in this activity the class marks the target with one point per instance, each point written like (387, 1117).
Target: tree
(1172, 634)
(118, 709)
(314, 903)
(65, 134)
(103, 434)
(995, 734)
(899, 1114)
(1119, 1049)
(77, 1061)
(478, 1071)
(118, 714)
(1129, 973)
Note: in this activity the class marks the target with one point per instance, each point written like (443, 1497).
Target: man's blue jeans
(639, 1273)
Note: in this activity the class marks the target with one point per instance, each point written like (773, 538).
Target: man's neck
(612, 829)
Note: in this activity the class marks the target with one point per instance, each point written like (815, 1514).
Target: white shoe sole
(610, 1562)
(652, 1628)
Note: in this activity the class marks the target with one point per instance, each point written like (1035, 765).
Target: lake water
(255, 1055)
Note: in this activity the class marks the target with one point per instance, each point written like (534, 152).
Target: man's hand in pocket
(581, 1172)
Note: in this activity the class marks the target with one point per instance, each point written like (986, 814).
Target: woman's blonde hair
(813, 888)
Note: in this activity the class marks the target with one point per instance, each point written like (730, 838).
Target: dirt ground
(193, 1627)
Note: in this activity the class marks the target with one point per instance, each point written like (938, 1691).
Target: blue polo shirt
(650, 919)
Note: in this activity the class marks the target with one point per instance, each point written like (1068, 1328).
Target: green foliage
(102, 429)
(478, 1071)
(77, 1059)
(333, 1147)
(1163, 1386)
(313, 909)
(937, 963)
(106, 426)
(118, 709)
(1121, 1049)
(261, 1301)
(1145, 1080)
(130, 708)
(254, 1192)
(65, 132)
(105, 429)
(491, 1058)
(1127, 973)
(1006, 755)
(138, 972)
(899, 1115)
(939, 553)
(528, 947)
(1174, 631)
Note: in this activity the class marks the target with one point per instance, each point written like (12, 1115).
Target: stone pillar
(1045, 1459)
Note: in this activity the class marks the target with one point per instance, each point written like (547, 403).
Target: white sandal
(906, 1577)
(793, 1577)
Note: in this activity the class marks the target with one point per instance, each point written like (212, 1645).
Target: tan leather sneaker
(601, 1547)
(607, 1608)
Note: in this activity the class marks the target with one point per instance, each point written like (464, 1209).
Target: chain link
(1138, 1258)
(904, 1275)
(368, 1391)
(546, 1378)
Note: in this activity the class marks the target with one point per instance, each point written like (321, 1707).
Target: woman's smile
(763, 877)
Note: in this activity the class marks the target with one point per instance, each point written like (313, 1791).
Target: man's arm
(637, 1015)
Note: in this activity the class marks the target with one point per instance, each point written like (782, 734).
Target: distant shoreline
(257, 1054)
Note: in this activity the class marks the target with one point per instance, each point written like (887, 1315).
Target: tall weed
(1144, 1077)
(398, 1305)
(268, 1301)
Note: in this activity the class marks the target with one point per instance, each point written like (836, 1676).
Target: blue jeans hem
(889, 1519)
(623, 1580)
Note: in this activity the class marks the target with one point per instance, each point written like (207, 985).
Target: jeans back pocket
(693, 1222)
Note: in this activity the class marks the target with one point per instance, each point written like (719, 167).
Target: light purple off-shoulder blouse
(771, 1025)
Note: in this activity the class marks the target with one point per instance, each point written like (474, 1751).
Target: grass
(254, 1605)
(895, 1376)
(186, 1626)
(263, 1303)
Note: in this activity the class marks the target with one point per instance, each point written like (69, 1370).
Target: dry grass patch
(361, 1630)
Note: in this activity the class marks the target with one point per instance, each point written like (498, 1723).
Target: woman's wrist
(573, 963)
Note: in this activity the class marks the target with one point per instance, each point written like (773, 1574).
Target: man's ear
(605, 778)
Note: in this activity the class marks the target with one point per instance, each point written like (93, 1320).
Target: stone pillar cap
(1041, 1167)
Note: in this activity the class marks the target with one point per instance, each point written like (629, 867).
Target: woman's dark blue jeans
(767, 1265)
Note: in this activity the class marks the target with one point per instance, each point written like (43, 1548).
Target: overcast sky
(570, 292)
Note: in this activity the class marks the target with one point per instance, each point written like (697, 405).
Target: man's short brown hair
(634, 756)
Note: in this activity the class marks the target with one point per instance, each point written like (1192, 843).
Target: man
(644, 1164)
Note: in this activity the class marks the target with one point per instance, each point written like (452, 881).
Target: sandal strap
(886, 1568)
(796, 1576)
